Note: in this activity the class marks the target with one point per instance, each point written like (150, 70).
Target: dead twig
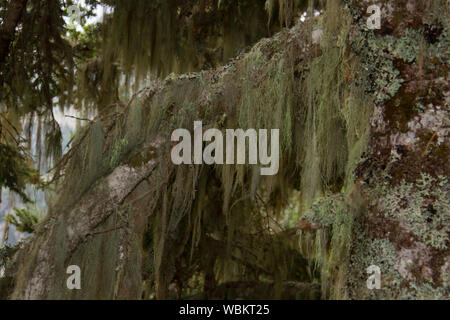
(81, 119)
(429, 143)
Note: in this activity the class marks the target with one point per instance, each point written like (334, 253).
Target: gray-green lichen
(424, 206)
(424, 291)
(379, 53)
(377, 252)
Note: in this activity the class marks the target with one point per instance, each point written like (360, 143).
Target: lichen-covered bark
(403, 178)
(96, 235)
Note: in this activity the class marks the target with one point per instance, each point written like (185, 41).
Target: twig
(105, 231)
(429, 142)
(81, 119)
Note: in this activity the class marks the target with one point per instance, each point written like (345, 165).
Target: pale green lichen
(424, 291)
(328, 211)
(330, 248)
(377, 252)
(424, 206)
(378, 54)
(406, 47)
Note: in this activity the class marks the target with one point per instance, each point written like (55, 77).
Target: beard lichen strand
(172, 36)
(328, 113)
(165, 37)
